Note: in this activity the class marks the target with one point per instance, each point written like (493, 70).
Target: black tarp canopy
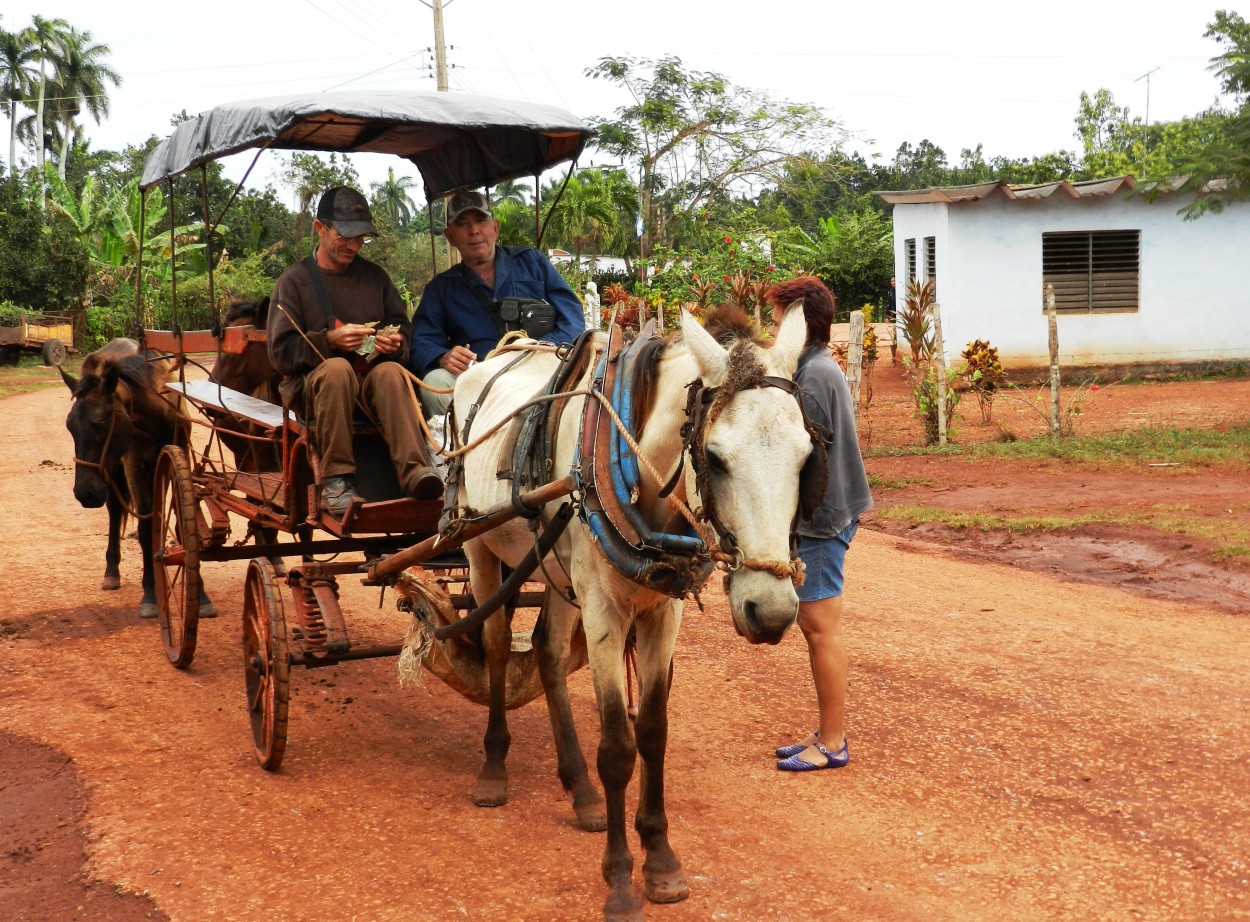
(456, 141)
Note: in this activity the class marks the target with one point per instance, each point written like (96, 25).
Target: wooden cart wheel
(176, 555)
(54, 352)
(266, 662)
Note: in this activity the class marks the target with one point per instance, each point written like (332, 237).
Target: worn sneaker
(337, 494)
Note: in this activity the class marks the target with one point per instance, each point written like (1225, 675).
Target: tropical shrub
(915, 324)
(984, 374)
(924, 388)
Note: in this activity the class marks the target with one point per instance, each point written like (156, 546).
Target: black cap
(468, 200)
(347, 210)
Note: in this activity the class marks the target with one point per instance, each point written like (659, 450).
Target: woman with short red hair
(825, 537)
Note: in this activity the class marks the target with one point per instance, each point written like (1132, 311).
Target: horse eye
(715, 462)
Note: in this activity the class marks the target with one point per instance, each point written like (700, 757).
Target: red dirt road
(1023, 746)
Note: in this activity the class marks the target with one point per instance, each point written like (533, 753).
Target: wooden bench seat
(212, 395)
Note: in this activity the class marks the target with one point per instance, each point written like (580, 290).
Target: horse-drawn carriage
(674, 455)
(274, 479)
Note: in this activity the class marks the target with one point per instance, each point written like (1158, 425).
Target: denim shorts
(823, 560)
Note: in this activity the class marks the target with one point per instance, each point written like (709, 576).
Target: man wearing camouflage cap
(457, 321)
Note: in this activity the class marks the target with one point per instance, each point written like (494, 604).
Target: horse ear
(70, 381)
(112, 377)
(710, 355)
(262, 313)
(790, 339)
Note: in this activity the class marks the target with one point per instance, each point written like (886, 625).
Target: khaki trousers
(436, 404)
(331, 390)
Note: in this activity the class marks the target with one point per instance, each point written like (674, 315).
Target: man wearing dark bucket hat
(465, 311)
(340, 336)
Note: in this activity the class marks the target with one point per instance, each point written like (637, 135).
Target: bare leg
(821, 623)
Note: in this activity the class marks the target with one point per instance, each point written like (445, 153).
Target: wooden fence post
(939, 358)
(1052, 325)
(855, 359)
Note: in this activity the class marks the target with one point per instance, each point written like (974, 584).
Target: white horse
(753, 444)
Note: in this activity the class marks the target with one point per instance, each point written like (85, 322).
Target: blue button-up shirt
(450, 314)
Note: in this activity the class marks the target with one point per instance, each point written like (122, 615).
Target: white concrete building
(1135, 283)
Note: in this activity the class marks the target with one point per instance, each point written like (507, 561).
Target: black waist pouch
(533, 315)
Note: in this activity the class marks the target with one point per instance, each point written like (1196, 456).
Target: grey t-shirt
(828, 402)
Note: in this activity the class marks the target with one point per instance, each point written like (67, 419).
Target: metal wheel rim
(266, 663)
(176, 555)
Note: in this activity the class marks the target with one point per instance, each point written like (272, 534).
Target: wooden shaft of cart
(436, 544)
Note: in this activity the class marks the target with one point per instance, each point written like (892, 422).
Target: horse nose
(89, 495)
(767, 624)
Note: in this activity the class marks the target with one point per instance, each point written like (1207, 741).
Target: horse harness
(606, 465)
(675, 564)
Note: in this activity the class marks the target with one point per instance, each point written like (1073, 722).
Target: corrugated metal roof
(1090, 188)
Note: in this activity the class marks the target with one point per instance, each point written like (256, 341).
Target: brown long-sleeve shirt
(359, 294)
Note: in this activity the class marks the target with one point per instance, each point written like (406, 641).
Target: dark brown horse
(120, 421)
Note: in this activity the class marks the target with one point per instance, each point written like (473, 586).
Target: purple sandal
(837, 759)
(784, 752)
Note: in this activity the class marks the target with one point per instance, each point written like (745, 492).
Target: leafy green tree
(308, 175)
(693, 136)
(1030, 171)
(17, 78)
(919, 167)
(853, 254)
(42, 265)
(1113, 142)
(81, 78)
(392, 197)
(1217, 168)
(516, 223)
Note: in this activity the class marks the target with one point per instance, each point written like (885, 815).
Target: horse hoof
(490, 793)
(148, 610)
(208, 611)
(624, 908)
(668, 887)
(111, 582)
(591, 817)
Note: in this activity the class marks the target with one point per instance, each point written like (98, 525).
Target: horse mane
(241, 313)
(729, 323)
(731, 326)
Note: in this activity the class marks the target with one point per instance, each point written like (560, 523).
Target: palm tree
(593, 213)
(45, 35)
(511, 191)
(17, 78)
(392, 199)
(80, 76)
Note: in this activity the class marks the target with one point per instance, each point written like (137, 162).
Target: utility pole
(440, 49)
(440, 74)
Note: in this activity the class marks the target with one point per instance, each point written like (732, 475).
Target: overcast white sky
(1005, 75)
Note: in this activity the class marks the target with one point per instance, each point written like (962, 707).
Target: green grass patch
(886, 483)
(1192, 447)
(12, 390)
(1231, 541)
